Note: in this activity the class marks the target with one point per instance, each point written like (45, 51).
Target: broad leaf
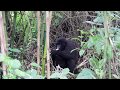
(90, 43)
(98, 20)
(86, 74)
(94, 62)
(14, 63)
(22, 74)
(101, 63)
(61, 75)
(99, 73)
(55, 75)
(14, 50)
(65, 71)
(32, 72)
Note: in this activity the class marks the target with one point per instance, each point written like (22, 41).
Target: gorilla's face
(61, 44)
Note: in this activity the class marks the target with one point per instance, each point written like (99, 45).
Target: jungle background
(26, 38)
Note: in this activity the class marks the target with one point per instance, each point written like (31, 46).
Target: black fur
(64, 57)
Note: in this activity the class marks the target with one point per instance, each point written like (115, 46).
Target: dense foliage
(97, 32)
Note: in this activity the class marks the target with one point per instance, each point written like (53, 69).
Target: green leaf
(55, 75)
(14, 63)
(96, 39)
(61, 75)
(94, 62)
(99, 73)
(65, 71)
(81, 52)
(14, 50)
(92, 30)
(101, 32)
(99, 20)
(35, 64)
(59, 15)
(23, 74)
(110, 52)
(86, 74)
(101, 63)
(32, 72)
(20, 73)
(118, 45)
(9, 76)
(90, 43)
(2, 57)
(98, 47)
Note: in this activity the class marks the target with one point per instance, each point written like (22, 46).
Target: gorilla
(64, 56)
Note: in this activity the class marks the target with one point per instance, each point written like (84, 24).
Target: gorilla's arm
(53, 54)
(64, 54)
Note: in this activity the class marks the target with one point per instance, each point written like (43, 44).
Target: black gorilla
(63, 56)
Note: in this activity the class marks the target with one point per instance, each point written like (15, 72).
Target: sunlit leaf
(81, 52)
(94, 62)
(101, 63)
(14, 50)
(35, 64)
(90, 43)
(99, 73)
(61, 75)
(98, 46)
(98, 20)
(32, 72)
(2, 57)
(65, 71)
(20, 73)
(86, 74)
(14, 63)
(55, 75)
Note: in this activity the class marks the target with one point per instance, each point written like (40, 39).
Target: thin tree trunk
(38, 40)
(3, 40)
(48, 23)
(107, 43)
(13, 29)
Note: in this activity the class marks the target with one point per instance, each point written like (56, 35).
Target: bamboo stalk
(48, 23)
(43, 60)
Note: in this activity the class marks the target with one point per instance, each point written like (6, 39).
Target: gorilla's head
(61, 44)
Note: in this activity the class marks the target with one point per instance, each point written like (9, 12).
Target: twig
(81, 64)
